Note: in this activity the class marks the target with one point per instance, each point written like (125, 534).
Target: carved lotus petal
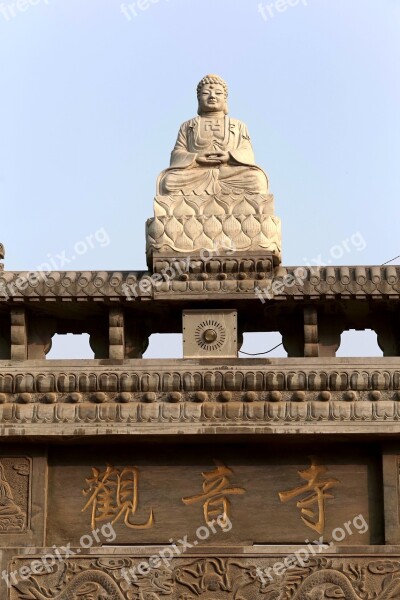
(155, 229)
(182, 208)
(203, 241)
(266, 243)
(183, 243)
(244, 208)
(222, 241)
(261, 240)
(242, 241)
(160, 207)
(269, 228)
(173, 228)
(193, 228)
(251, 226)
(264, 204)
(212, 227)
(214, 207)
(231, 226)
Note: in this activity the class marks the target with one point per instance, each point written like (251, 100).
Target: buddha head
(212, 94)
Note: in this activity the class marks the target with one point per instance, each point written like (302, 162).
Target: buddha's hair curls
(212, 79)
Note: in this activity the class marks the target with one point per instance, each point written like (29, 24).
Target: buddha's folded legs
(242, 177)
(200, 180)
(188, 181)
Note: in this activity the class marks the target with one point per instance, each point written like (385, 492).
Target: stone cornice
(54, 398)
(356, 282)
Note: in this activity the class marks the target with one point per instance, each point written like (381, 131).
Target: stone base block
(215, 233)
(238, 222)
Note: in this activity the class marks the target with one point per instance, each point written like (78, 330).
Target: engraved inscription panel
(152, 494)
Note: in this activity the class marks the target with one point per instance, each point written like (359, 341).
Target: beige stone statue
(213, 195)
(213, 152)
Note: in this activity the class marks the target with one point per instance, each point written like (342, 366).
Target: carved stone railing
(120, 310)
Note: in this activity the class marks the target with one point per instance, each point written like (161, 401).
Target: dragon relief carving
(99, 579)
(323, 579)
(214, 579)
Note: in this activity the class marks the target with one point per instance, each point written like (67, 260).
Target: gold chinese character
(114, 493)
(319, 487)
(215, 491)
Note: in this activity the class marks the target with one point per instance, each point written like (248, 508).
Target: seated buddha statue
(10, 514)
(213, 152)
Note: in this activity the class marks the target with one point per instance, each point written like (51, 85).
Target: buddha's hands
(213, 158)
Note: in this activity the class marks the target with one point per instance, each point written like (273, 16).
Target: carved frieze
(265, 393)
(210, 578)
(197, 417)
(357, 376)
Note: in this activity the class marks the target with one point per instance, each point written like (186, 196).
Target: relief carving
(15, 473)
(213, 578)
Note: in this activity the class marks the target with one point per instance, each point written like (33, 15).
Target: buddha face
(212, 98)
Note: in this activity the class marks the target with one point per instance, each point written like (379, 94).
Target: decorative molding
(235, 375)
(301, 391)
(282, 413)
(355, 283)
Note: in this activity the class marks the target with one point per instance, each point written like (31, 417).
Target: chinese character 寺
(319, 487)
(114, 493)
(216, 488)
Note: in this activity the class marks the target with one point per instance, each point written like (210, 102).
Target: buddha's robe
(11, 515)
(8, 508)
(186, 176)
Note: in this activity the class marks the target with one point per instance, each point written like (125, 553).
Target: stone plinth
(240, 222)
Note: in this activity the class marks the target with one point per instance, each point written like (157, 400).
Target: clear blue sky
(91, 102)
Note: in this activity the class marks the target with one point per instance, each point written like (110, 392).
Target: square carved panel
(210, 333)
